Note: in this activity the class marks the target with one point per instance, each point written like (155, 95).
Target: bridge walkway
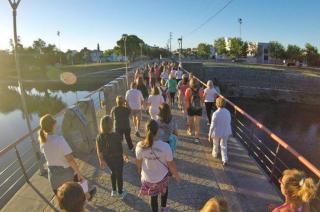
(242, 183)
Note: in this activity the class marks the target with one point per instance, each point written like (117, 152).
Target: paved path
(242, 183)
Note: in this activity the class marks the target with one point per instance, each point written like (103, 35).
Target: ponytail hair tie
(301, 182)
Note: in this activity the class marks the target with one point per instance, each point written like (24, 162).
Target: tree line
(40, 54)
(238, 48)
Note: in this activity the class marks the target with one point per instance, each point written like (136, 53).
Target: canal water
(297, 124)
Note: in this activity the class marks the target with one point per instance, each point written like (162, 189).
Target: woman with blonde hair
(62, 166)
(194, 99)
(215, 205)
(298, 190)
(220, 130)
(154, 160)
(110, 153)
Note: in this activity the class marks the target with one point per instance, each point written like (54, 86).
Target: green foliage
(235, 48)
(276, 50)
(132, 45)
(244, 49)
(203, 50)
(312, 56)
(220, 46)
(293, 53)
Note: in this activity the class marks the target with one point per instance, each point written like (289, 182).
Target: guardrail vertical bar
(21, 164)
(274, 163)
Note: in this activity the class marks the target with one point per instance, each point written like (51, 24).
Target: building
(96, 55)
(262, 53)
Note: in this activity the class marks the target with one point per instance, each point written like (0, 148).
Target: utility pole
(240, 23)
(124, 37)
(170, 38)
(14, 5)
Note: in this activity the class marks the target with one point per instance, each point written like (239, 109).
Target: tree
(220, 46)
(108, 52)
(39, 45)
(235, 48)
(244, 49)
(312, 56)
(132, 45)
(203, 50)
(276, 50)
(293, 53)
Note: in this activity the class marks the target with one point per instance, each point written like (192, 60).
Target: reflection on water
(298, 124)
(39, 101)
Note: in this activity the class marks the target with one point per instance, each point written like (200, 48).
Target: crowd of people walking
(156, 90)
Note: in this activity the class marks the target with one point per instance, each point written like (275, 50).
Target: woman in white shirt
(210, 95)
(154, 101)
(220, 130)
(154, 161)
(61, 163)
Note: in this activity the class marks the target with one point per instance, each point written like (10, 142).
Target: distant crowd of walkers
(156, 90)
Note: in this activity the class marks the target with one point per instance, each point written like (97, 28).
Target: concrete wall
(278, 85)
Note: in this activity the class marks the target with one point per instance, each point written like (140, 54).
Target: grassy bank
(53, 73)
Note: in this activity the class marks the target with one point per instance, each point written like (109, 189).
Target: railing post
(21, 164)
(274, 162)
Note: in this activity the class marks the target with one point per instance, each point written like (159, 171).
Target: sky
(84, 23)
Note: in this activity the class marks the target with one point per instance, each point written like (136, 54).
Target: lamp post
(240, 22)
(14, 5)
(124, 37)
(180, 47)
(58, 34)
(141, 45)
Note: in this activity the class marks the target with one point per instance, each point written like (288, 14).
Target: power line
(211, 17)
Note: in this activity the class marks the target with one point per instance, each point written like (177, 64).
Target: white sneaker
(123, 195)
(196, 140)
(114, 193)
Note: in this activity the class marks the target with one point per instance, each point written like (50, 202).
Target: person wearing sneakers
(210, 95)
(120, 115)
(110, 153)
(194, 99)
(154, 161)
(135, 101)
(220, 130)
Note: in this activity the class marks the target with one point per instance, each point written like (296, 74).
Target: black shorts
(172, 94)
(194, 112)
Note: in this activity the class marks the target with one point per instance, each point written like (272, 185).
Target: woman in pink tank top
(298, 191)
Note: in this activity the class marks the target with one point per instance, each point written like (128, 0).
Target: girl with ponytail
(154, 160)
(298, 190)
(61, 164)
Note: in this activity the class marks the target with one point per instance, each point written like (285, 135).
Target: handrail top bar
(272, 135)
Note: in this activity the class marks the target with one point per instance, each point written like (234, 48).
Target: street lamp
(58, 34)
(240, 22)
(124, 37)
(141, 45)
(180, 47)
(14, 5)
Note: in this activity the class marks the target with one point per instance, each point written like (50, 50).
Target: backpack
(195, 101)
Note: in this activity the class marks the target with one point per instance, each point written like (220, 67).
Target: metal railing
(271, 152)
